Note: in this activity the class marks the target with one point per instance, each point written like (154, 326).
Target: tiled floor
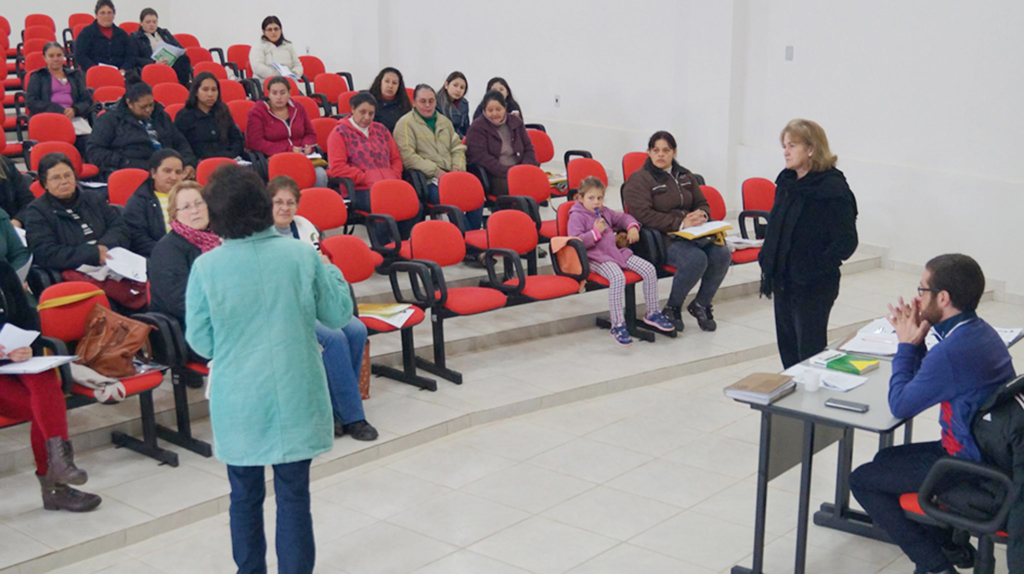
(658, 478)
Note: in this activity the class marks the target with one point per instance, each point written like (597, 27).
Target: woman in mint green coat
(251, 307)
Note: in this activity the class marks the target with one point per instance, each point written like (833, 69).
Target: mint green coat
(251, 305)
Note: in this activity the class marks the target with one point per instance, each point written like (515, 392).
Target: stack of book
(761, 388)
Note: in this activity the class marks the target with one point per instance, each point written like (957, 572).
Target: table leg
(805, 498)
(908, 431)
(843, 469)
(761, 506)
(838, 515)
(885, 440)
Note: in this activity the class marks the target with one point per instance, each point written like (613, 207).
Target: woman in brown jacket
(497, 141)
(665, 196)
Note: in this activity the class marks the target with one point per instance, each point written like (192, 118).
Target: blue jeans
(474, 219)
(343, 359)
(296, 549)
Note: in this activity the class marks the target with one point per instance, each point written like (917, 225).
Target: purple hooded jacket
(601, 246)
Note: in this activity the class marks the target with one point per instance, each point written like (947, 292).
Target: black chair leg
(985, 559)
(147, 446)
(183, 436)
(408, 373)
(438, 367)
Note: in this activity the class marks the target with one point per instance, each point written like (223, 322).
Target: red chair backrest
(295, 165)
(106, 94)
(37, 189)
(43, 149)
(34, 61)
(461, 189)
(154, 74)
(48, 127)
(323, 128)
(323, 207)
(582, 167)
(351, 255)
(5, 27)
(206, 168)
(631, 162)
(715, 202)
(80, 19)
(543, 147)
(169, 94)
(130, 27)
(34, 46)
(173, 109)
(231, 90)
(293, 87)
(5, 43)
(239, 55)
(512, 229)
(99, 76)
(312, 66)
(38, 32)
(209, 66)
(412, 94)
(67, 322)
(437, 241)
(529, 180)
(330, 85)
(562, 225)
(345, 102)
(240, 112)
(40, 20)
(122, 184)
(758, 194)
(187, 41)
(198, 55)
(396, 198)
(77, 29)
(310, 105)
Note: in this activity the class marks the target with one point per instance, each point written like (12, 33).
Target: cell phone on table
(847, 405)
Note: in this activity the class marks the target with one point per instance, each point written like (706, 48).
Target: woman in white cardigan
(273, 48)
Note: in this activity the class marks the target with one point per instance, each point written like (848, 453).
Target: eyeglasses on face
(922, 290)
(289, 203)
(194, 206)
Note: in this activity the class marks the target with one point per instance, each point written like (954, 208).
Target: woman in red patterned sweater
(363, 150)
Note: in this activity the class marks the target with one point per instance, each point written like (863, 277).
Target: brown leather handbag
(111, 342)
(364, 372)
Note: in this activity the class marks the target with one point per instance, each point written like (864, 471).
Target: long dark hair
(401, 97)
(444, 102)
(493, 96)
(220, 110)
(511, 101)
(273, 20)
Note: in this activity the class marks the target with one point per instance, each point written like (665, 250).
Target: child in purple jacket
(596, 225)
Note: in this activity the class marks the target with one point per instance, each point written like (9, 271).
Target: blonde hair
(172, 197)
(811, 134)
(588, 183)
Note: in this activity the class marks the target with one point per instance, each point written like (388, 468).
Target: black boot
(60, 457)
(63, 497)
(704, 316)
(675, 314)
(361, 430)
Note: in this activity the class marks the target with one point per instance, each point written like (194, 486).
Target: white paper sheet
(877, 345)
(13, 337)
(82, 127)
(167, 54)
(284, 71)
(22, 235)
(127, 264)
(37, 365)
(396, 320)
(830, 379)
(1009, 336)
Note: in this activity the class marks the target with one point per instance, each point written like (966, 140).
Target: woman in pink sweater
(279, 125)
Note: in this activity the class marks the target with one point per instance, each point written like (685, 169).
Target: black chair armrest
(482, 175)
(418, 180)
(522, 203)
(325, 105)
(581, 253)
(58, 347)
(949, 471)
(336, 183)
(650, 247)
(260, 163)
(453, 213)
(40, 278)
(512, 262)
(165, 349)
(309, 86)
(421, 282)
(253, 89)
(699, 178)
(220, 56)
(537, 127)
(235, 69)
(576, 153)
(348, 78)
(394, 235)
(756, 216)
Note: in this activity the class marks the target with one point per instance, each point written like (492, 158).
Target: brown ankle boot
(61, 460)
(61, 497)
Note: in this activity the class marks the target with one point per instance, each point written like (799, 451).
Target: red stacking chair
(173, 109)
(323, 128)
(310, 105)
(717, 205)
(323, 207)
(345, 102)
(209, 66)
(107, 94)
(758, 196)
(331, 86)
(33, 61)
(412, 94)
(169, 94)
(240, 112)
(5, 27)
(43, 149)
(48, 127)
(295, 165)
(595, 281)
(187, 41)
(583, 167)
(129, 27)
(122, 183)
(38, 32)
(544, 149)
(80, 18)
(312, 66)
(100, 76)
(435, 245)
(66, 323)
(294, 87)
(239, 56)
(357, 264)
(631, 162)
(531, 181)
(391, 202)
(155, 74)
(231, 90)
(11, 149)
(206, 168)
(40, 20)
(198, 55)
(464, 192)
(514, 231)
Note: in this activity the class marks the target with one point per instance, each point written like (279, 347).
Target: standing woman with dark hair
(206, 121)
(104, 43)
(145, 212)
(269, 402)
(273, 49)
(388, 89)
(500, 85)
(149, 36)
(812, 229)
(451, 101)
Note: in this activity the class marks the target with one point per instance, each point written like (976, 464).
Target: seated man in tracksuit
(969, 363)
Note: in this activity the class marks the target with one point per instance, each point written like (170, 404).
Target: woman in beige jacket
(273, 48)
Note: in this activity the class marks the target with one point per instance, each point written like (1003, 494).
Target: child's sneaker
(621, 336)
(659, 321)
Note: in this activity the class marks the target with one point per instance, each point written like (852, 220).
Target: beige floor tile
(21, 494)
(65, 529)
(162, 541)
(110, 466)
(514, 439)
(672, 483)
(459, 519)
(209, 552)
(383, 549)
(780, 555)
(528, 488)
(738, 502)
(629, 558)
(719, 454)
(699, 414)
(330, 521)
(178, 488)
(643, 434)
(16, 547)
(702, 540)
(407, 415)
(543, 546)
(590, 460)
(612, 513)
(451, 464)
(466, 562)
(382, 493)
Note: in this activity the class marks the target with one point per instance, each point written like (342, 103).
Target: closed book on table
(846, 363)
(761, 388)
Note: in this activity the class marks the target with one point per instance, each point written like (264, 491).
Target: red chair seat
(379, 326)
(746, 255)
(472, 300)
(477, 238)
(9, 100)
(198, 367)
(377, 258)
(89, 171)
(13, 83)
(544, 287)
(909, 502)
(10, 122)
(549, 229)
(405, 252)
(132, 385)
(631, 277)
(13, 149)
(6, 422)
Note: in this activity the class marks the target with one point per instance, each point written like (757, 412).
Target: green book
(840, 361)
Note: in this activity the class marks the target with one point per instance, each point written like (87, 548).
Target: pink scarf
(204, 240)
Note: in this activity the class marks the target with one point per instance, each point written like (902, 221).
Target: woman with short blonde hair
(812, 229)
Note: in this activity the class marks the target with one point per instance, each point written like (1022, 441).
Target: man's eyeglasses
(923, 290)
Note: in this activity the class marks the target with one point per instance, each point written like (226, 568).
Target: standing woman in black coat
(104, 43)
(812, 229)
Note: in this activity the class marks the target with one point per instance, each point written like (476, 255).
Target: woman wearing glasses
(812, 229)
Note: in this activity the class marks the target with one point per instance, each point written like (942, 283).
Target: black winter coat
(92, 47)
(15, 307)
(204, 134)
(119, 140)
(37, 97)
(388, 113)
(143, 50)
(15, 194)
(144, 218)
(168, 268)
(56, 239)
